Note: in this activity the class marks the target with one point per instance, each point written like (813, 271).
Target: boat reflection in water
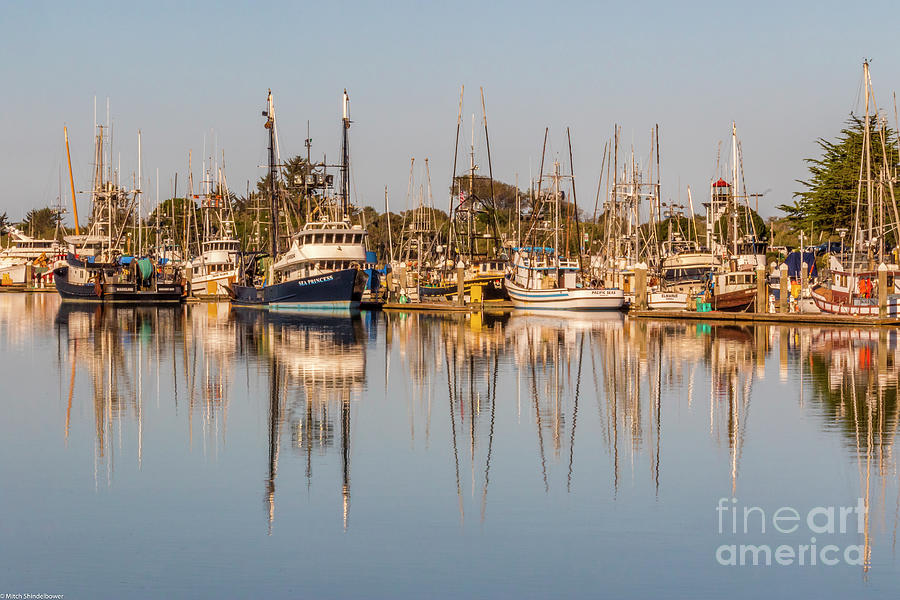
(550, 407)
(117, 346)
(317, 366)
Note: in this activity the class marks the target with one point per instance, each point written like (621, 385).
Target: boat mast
(469, 225)
(734, 188)
(140, 202)
(345, 159)
(556, 214)
(273, 173)
(71, 181)
(866, 144)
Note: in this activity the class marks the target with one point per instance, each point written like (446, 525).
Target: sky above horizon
(195, 75)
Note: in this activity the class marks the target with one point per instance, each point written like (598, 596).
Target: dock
(470, 307)
(22, 289)
(751, 317)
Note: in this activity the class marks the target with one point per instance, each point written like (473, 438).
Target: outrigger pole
(71, 181)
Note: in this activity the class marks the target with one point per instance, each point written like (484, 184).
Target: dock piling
(783, 289)
(761, 296)
(882, 290)
(640, 286)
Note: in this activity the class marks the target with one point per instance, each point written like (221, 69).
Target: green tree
(828, 199)
(41, 222)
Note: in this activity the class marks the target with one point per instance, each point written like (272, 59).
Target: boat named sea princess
(323, 265)
(540, 279)
(322, 269)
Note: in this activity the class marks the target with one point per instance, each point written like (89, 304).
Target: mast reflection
(316, 366)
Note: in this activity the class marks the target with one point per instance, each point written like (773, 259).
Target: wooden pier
(490, 306)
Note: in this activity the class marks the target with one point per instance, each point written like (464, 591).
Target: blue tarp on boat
(794, 260)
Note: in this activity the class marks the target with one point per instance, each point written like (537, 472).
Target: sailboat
(322, 266)
(542, 278)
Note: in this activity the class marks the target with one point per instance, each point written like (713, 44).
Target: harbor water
(211, 451)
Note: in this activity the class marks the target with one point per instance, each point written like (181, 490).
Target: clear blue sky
(785, 72)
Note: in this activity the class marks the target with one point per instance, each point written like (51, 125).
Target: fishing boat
(23, 251)
(684, 270)
(541, 278)
(476, 244)
(323, 266)
(131, 281)
(95, 269)
(731, 234)
(216, 267)
(852, 285)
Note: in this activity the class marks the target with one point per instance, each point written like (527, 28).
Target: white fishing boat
(542, 279)
(662, 300)
(216, 268)
(22, 251)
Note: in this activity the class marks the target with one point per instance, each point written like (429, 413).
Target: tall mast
(732, 214)
(868, 156)
(469, 215)
(345, 158)
(140, 202)
(71, 181)
(273, 174)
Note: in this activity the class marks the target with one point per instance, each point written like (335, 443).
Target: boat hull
(836, 304)
(587, 299)
(126, 293)
(736, 301)
(492, 285)
(340, 290)
(213, 285)
(667, 300)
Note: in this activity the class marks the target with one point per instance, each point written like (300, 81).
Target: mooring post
(804, 278)
(762, 297)
(401, 276)
(640, 286)
(783, 289)
(882, 290)
(460, 283)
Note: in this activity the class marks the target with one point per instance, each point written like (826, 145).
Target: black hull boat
(339, 290)
(109, 282)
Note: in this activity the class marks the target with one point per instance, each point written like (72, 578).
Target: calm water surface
(208, 451)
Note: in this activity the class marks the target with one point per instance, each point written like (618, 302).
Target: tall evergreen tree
(829, 199)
